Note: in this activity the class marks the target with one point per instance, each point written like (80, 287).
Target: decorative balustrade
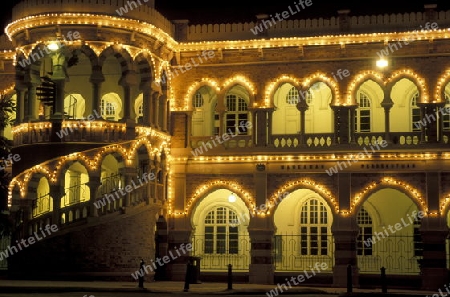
(207, 143)
(405, 138)
(74, 213)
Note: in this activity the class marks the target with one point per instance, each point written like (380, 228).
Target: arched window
(415, 113)
(108, 109)
(363, 114)
(363, 245)
(198, 100)
(314, 228)
(446, 115)
(293, 96)
(236, 115)
(221, 234)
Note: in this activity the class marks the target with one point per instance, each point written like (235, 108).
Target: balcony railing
(397, 254)
(75, 194)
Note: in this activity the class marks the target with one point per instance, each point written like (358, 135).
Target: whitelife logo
(11, 250)
(166, 259)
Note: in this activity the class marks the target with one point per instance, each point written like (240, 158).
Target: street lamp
(382, 63)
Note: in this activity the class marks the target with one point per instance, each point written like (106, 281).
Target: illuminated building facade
(269, 151)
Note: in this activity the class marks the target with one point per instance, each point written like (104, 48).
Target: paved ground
(26, 286)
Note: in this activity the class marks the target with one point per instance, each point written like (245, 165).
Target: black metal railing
(296, 252)
(398, 254)
(218, 259)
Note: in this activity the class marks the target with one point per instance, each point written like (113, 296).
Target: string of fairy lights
(93, 162)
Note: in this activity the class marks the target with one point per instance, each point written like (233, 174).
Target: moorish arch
(203, 103)
(406, 95)
(323, 78)
(275, 84)
(415, 78)
(413, 194)
(286, 116)
(75, 181)
(122, 56)
(360, 79)
(242, 81)
(389, 236)
(368, 97)
(303, 235)
(293, 185)
(205, 84)
(203, 190)
(220, 231)
(442, 88)
(44, 202)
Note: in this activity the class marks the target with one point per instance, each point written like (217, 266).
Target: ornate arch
(276, 84)
(359, 79)
(297, 184)
(318, 76)
(410, 74)
(385, 183)
(205, 189)
(121, 54)
(442, 81)
(209, 82)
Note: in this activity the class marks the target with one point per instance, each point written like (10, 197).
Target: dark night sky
(245, 10)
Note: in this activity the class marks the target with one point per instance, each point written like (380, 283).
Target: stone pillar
(302, 106)
(188, 131)
(129, 173)
(259, 127)
(181, 234)
(432, 132)
(434, 232)
(96, 79)
(433, 266)
(345, 231)
(352, 114)
(261, 231)
(128, 81)
(146, 106)
(20, 108)
(387, 104)
(58, 112)
(59, 78)
(93, 184)
(32, 110)
(56, 192)
(163, 106)
(156, 110)
(269, 126)
(341, 124)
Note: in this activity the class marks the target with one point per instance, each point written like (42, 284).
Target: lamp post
(58, 76)
(387, 102)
